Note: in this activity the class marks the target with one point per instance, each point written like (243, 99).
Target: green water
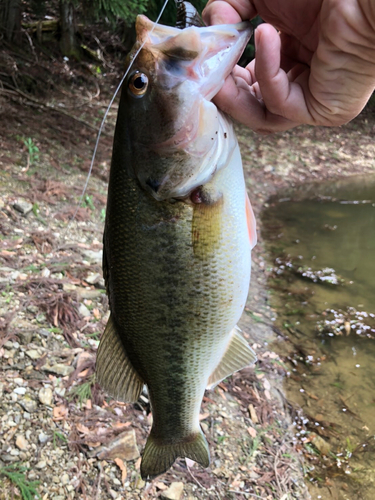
(332, 377)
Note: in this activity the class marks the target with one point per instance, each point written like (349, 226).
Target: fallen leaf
(83, 429)
(203, 416)
(120, 464)
(60, 412)
(253, 433)
(121, 425)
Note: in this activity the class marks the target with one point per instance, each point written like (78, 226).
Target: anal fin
(114, 370)
(238, 355)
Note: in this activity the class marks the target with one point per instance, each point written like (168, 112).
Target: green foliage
(32, 149)
(88, 201)
(58, 436)
(82, 392)
(169, 16)
(16, 474)
(115, 9)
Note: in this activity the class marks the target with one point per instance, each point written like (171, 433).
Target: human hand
(320, 70)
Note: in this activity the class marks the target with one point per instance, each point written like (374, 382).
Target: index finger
(228, 11)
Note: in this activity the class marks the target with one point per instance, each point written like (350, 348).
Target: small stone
(45, 396)
(22, 206)
(83, 311)
(59, 369)
(25, 337)
(139, 483)
(60, 391)
(19, 381)
(45, 273)
(41, 465)
(28, 404)
(93, 256)
(43, 438)
(65, 478)
(174, 492)
(1, 389)
(124, 446)
(21, 442)
(20, 390)
(33, 354)
(93, 278)
(14, 452)
(205, 427)
(55, 479)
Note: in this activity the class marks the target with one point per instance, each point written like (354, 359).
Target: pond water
(322, 247)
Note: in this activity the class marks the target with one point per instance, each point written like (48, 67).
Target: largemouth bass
(178, 235)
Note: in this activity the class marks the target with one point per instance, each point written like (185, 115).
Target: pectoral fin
(238, 355)
(114, 370)
(251, 224)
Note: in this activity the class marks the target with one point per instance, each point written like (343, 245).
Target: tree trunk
(10, 20)
(68, 42)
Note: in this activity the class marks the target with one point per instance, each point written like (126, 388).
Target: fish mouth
(202, 59)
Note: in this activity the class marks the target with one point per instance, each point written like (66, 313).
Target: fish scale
(177, 272)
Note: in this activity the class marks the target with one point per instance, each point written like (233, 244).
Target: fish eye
(138, 84)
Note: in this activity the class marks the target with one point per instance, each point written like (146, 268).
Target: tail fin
(158, 457)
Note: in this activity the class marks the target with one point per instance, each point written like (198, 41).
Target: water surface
(332, 376)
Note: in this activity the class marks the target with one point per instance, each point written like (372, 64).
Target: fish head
(171, 125)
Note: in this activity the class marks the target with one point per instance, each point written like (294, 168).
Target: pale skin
(319, 69)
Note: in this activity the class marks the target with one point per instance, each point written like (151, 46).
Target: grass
(82, 392)
(58, 436)
(16, 474)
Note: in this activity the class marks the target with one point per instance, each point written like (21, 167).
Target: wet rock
(21, 442)
(321, 444)
(22, 206)
(124, 446)
(45, 396)
(59, 369)
(28, 404)
(174, 492)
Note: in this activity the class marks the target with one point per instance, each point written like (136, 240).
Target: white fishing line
(107, 111)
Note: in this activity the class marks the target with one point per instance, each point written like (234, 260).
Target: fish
(178, 235)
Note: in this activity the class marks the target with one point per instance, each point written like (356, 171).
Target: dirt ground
(60, 435)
